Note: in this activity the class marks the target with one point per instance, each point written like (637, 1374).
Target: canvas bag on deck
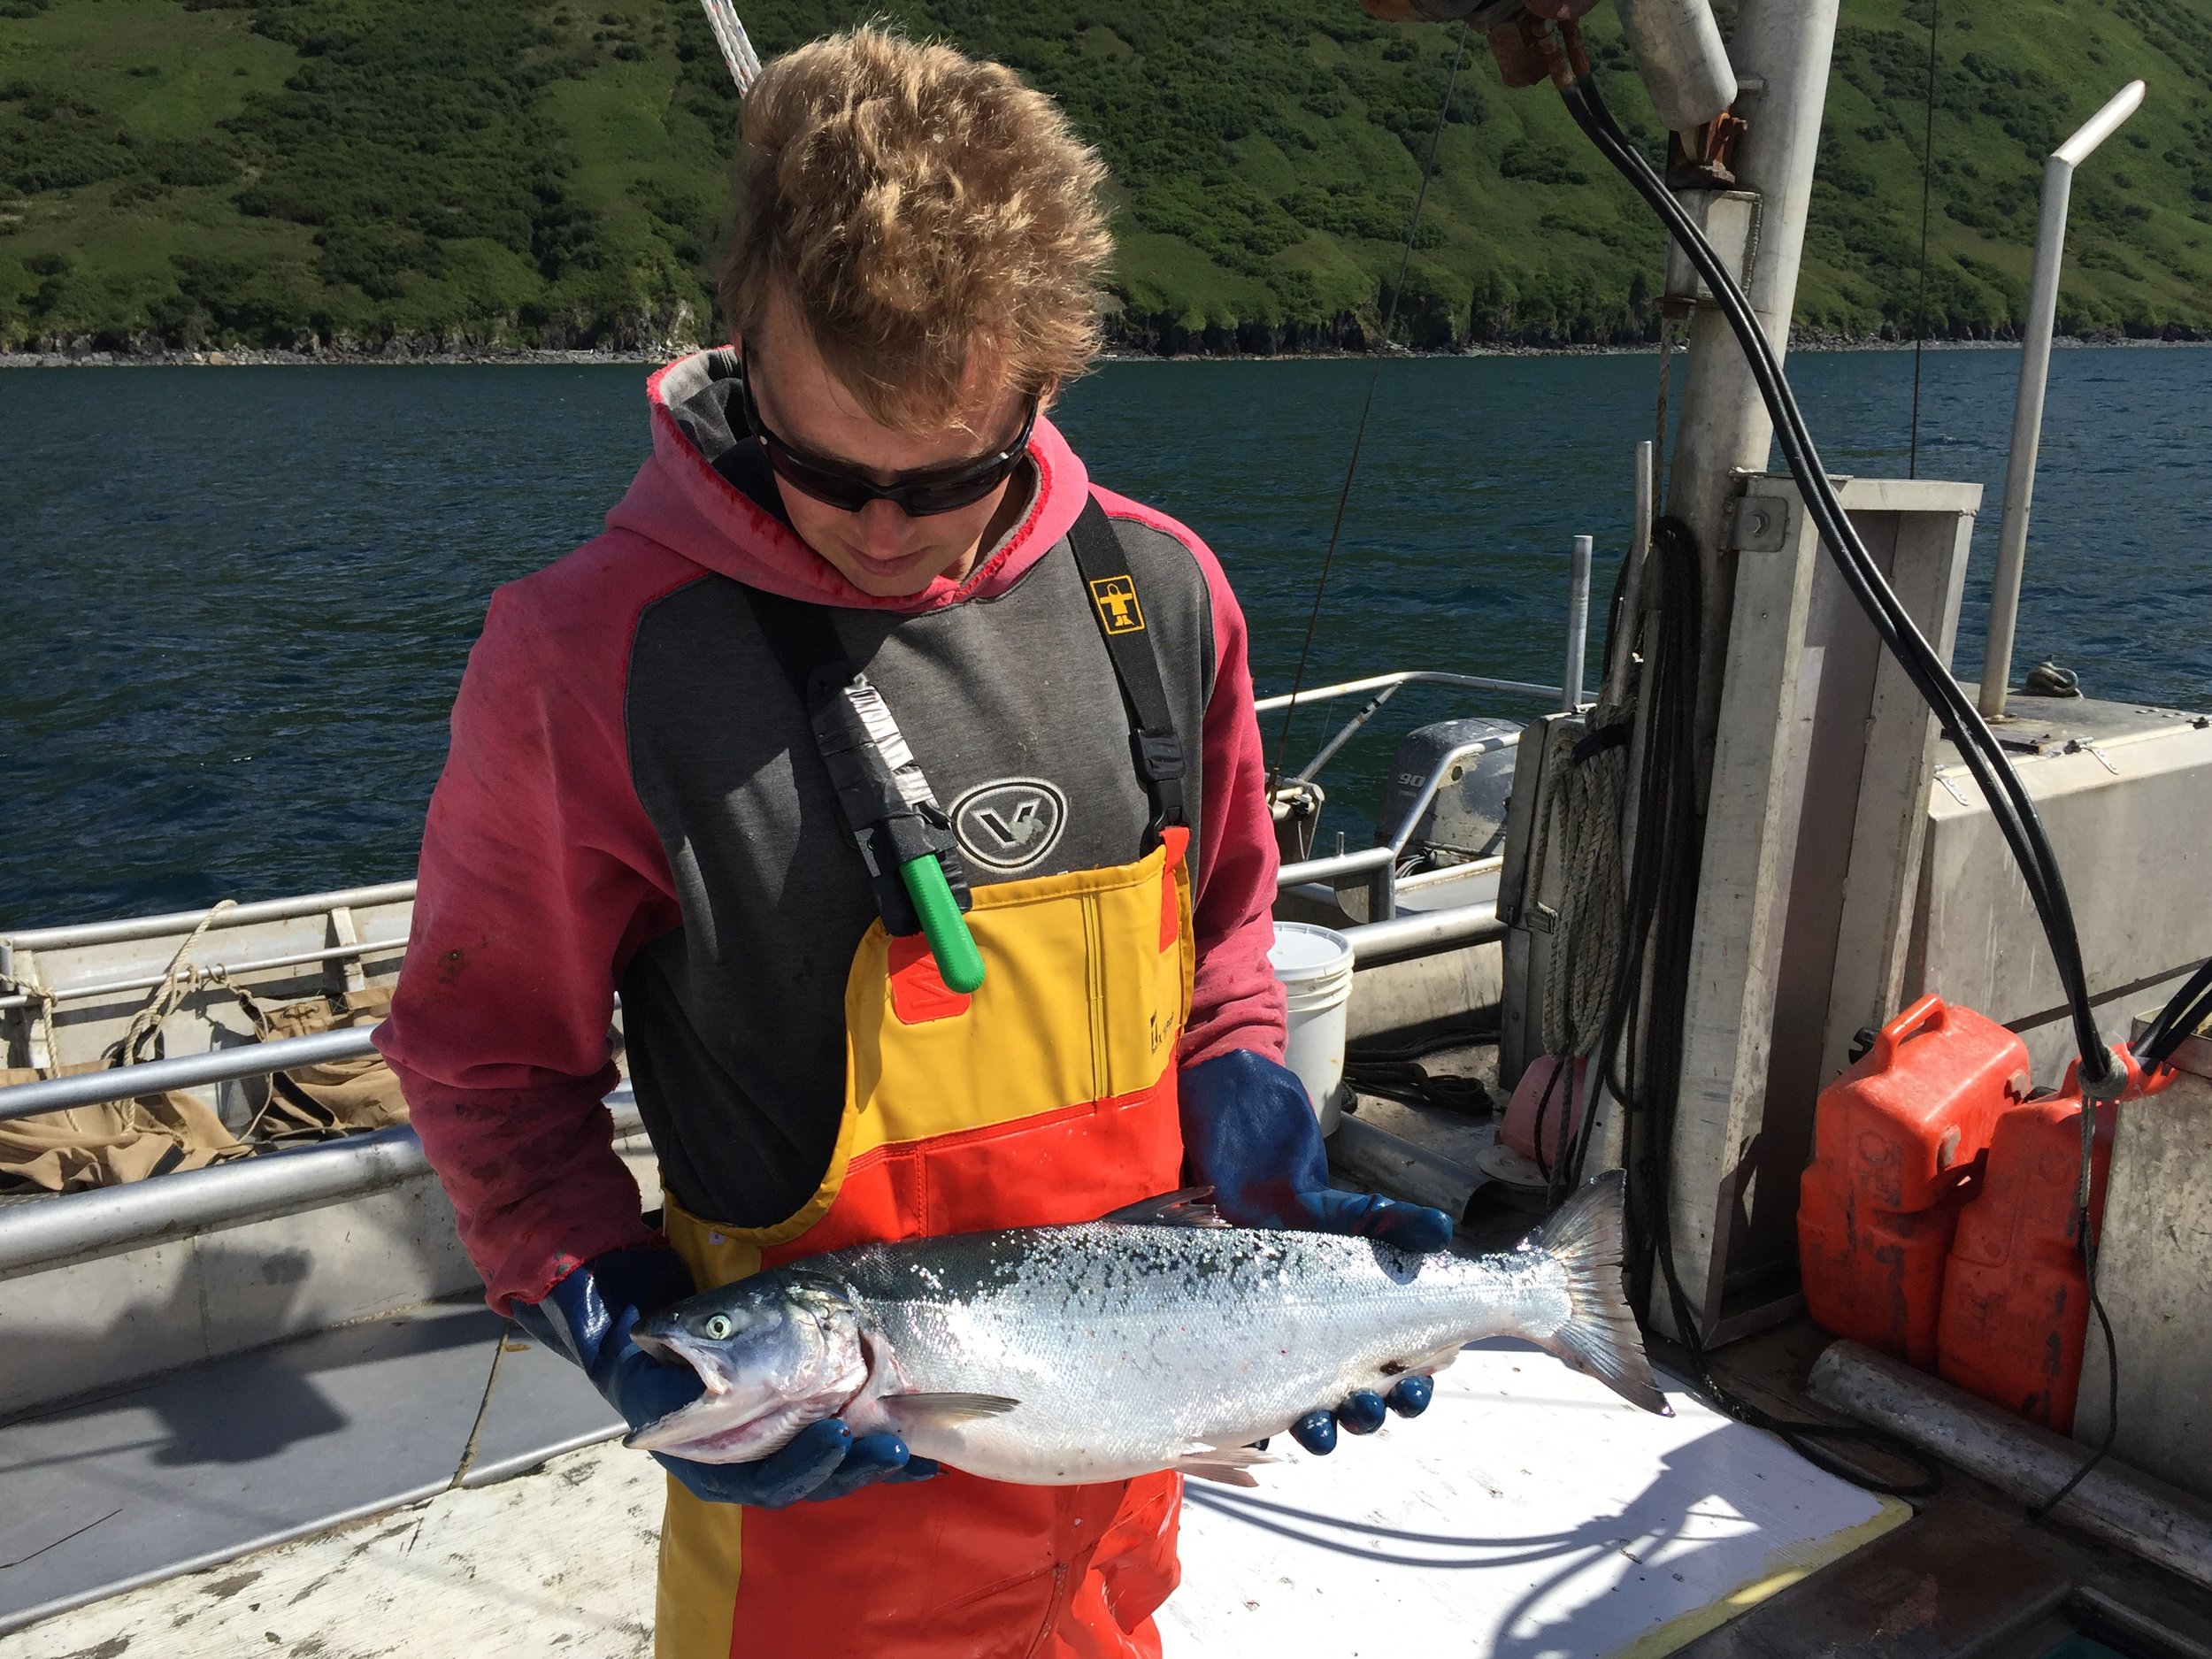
(337, 1096)
(110, 1143)
(116, 1142)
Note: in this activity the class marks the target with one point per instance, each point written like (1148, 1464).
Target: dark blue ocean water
(235, 604)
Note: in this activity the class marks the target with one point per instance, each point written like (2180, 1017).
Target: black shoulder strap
(1115, 601)
(884, 825)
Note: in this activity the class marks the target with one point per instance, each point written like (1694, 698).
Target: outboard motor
(1466, 819)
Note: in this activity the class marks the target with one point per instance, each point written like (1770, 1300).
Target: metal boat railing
(2035, 373)
(1385, 687)
(1371, 942)
(187, 1071)
(30, 941)
(76, 1226)
(184, 921)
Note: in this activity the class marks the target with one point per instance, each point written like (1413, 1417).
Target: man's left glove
(586, 1318)
(1249, 1133)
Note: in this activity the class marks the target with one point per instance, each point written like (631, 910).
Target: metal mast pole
(1781, 53)
(1780, 50)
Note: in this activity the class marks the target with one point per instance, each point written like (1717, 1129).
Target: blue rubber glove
(586, 1318)
(1249, 1133)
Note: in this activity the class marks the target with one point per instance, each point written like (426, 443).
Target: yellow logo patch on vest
(1115, 598)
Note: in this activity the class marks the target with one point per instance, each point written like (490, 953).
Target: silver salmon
(1156, 1339)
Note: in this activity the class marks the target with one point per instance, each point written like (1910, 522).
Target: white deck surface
(1529, 1515)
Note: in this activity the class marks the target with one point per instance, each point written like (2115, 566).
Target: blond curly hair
(918, 210)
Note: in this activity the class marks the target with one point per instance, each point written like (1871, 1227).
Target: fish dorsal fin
(944, 1410)
(1190, 1207)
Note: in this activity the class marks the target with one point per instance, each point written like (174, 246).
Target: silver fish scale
(1130, 1348)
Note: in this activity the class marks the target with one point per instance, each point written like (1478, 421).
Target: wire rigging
(1359, 435)
(1927, 191)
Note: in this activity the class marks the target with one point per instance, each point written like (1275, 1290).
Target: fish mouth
(672, 1347)
(738, 1418)
(703, 1420)
(686, 1427)
(722, 1427)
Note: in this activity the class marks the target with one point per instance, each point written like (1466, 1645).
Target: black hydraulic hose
(1892, 622)
(1648, 1052)
(2187, 1009)
(1992, 770)
(2009, 803)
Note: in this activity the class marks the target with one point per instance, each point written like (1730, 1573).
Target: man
(664, 781)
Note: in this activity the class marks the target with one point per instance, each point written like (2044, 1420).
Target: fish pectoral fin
(1227, 1465)
(1426, 1364)
(1188, 1207)
(1221, 1474)
(944, 1410)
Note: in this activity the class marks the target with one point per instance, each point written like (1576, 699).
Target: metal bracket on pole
(2035, 373)
(1757, 523)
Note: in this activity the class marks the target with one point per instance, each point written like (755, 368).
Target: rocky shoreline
(398, 354)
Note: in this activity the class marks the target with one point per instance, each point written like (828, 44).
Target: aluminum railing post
(2035, 375)
(1571, 697)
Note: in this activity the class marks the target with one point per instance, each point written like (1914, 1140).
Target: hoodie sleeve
(539, 876)
(1237, 1001)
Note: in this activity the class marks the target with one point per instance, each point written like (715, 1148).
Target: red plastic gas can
(1895, 1140)
(2015, 1292)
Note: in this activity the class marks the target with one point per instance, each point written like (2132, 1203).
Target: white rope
(45, 1001)
(737, 51)
(181, 979)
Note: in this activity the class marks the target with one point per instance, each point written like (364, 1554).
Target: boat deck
(430, 1483)
(1531, 1512)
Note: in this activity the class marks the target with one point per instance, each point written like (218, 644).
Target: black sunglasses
(917, 495)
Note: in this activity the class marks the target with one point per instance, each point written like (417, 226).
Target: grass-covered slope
(505, 173)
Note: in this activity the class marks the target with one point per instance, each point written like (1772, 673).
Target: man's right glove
(586, 1318)
(1249, 1133)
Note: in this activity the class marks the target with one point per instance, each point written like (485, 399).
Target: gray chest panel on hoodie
(734, 1021)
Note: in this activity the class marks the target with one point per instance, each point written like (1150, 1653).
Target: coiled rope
(181, 979)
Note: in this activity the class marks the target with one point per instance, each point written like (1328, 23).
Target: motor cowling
(1466, 821)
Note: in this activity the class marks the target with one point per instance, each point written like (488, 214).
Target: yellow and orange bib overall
(1047, 1096)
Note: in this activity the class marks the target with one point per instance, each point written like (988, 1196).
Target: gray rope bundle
(1587, 798)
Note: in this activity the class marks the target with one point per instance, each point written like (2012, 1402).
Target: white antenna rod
(737, 51)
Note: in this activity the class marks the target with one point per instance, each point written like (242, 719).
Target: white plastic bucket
(1314, 966)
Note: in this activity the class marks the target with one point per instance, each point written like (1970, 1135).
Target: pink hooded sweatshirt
(541, 874)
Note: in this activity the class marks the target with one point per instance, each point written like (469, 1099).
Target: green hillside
(464, 173)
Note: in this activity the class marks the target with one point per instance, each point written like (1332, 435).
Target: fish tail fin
(1586, 1238)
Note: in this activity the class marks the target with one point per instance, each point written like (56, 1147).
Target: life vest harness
(884, 801)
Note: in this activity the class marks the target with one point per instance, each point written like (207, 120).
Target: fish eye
(718, 1326)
